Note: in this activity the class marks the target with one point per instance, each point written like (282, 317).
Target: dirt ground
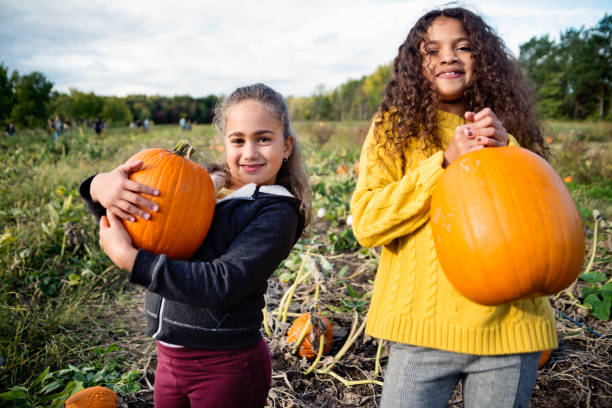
(578, 373)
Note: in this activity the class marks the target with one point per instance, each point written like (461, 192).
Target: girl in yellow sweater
(454, 89)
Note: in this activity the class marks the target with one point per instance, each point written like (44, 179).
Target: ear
(288, 147)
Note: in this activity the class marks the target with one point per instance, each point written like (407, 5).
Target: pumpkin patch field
(69, 320)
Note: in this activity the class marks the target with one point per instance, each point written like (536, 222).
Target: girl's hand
(488, 129)
(464, 141)
(122, 196)
(116, 242)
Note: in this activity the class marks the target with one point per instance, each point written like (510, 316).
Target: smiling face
(255, 144)
(448, 63)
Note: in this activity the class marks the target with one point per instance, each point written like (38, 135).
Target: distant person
(454, 89)
(188, 124)
(10, 129)
(58, 126)
(182, 123)
(146, 124)
(98, 126)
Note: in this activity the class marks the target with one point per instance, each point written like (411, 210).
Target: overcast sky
(178, 47)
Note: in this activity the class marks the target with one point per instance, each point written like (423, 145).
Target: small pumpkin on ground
(505, 227)
(309, 347)
(93, 397)
(186, 202)
(544, 358)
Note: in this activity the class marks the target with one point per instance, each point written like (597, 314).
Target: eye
(431, 52)
(263, 139)
(465, 48)
(236, 141)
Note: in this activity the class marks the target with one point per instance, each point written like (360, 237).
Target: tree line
(571, 76)
(29, 101)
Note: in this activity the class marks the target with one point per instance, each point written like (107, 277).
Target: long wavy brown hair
(498, 83)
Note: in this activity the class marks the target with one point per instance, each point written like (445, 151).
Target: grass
(57, 286)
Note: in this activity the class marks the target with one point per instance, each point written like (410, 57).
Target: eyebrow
(456, 40)
(256, 133)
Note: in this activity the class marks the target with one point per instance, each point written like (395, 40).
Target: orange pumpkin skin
(93, 397)
(306, 348)
(505, 227)
(544, 358)
(186, 204)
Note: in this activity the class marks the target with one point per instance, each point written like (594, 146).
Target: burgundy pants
(210, 379)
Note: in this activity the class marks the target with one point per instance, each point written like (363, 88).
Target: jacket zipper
(161, 314)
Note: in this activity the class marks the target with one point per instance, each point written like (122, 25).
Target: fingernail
(479, 139)
(155, 207)
(156, 192)
(132, 219)
(147, 216)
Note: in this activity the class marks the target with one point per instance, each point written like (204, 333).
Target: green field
(69, 320)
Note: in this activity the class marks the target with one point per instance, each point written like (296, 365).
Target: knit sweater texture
(413, 302)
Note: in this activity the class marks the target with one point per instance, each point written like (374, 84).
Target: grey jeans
(425, 377)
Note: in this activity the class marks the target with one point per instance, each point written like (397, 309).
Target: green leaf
(54, 215)
(593, 277)
(352, 293)
(343, 271)
(15, 393)
(46, 229)
(74, 279)
(606, 290)
(600, 308)
(588, 290)
(40, 379)
(52, 386)
(326, 265)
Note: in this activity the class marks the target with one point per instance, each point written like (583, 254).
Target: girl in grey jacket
(205, 313)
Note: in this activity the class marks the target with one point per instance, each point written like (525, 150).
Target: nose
(448, 56)
(250, 151)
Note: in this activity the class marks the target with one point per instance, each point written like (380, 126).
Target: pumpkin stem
(184, 148)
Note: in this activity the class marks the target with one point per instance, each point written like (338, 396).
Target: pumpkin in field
(505, 227)
(342, 169)
(310, 345)
(186, 203)
(544, 357)
(93, 397)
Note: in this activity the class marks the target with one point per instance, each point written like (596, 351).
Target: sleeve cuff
(141, 271)
(95, 207)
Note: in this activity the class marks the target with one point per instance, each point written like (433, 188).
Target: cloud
(203, 47)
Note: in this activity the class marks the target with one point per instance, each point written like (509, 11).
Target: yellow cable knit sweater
(413, 302)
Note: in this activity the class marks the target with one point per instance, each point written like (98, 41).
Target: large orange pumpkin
(505, 227)
(312, 337)
(93, 397)
(186, 203)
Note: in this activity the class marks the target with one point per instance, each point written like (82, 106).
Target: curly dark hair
(498, 83)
